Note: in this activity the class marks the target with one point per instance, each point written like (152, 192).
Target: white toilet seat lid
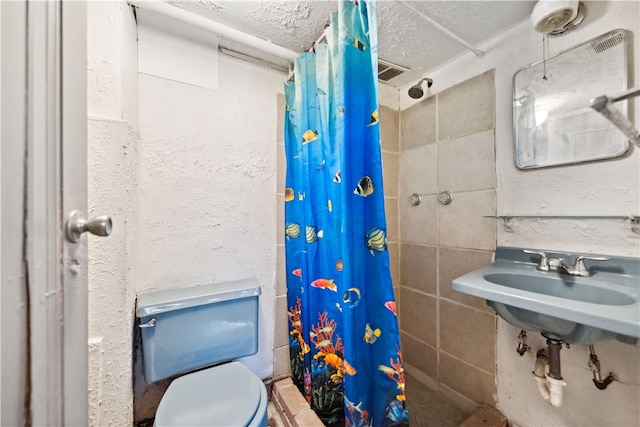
(224, 395)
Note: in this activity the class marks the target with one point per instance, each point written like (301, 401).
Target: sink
(577, 290)
(578, 310)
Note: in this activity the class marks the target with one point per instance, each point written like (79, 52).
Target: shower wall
(448, 144)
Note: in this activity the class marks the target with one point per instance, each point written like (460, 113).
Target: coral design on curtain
(344, 339)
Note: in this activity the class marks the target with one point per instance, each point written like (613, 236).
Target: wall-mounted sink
(580, 310)
(555, 286)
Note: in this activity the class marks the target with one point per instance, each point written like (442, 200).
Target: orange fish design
(332, 360)
(339, 265)
(350, 370)
(297, 272)
(391, 305)
(325, 284)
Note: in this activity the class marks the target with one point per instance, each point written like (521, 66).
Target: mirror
(553, 123)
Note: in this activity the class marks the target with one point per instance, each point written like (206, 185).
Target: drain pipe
(594, 365)
(549, 383)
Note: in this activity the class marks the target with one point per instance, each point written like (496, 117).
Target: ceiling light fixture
(557, 17)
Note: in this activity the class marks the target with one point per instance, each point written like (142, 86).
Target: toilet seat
(224, 395)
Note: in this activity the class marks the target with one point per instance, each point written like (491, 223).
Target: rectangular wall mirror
(553, 123)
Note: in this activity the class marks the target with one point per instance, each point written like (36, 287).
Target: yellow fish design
(341, 110)
(292, 230)
(326, 329)
(309, 136)
(376, 240)
(330, 205)
(289, 194)
(370, 334)
(387, 370)
(310, 233)
(305, 348)
(357, 43)
(323, 343)
(300, 195)
(364, 187)
(374, 118)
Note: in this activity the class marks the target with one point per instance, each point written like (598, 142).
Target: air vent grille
(388, 71)
(603, 43)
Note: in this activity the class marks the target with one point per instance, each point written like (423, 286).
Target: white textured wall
(112, 160)
(207, 210)
(601, 188)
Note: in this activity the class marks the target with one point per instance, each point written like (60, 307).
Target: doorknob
(76, 225)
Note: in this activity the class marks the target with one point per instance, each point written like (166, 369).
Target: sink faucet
(577, 269)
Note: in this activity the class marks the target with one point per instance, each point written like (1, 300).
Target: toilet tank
(190, 328)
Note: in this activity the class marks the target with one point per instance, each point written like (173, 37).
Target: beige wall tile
(419, 268)
(281, 275)
(468, 107)
(389, 129)
(467, 163)
(282, 323)
(456, 262)
(391, 212)
(420, 355)
(418, 224)
(418, 124)
(280, 106)
(471, 382)
(418, 171)
(461, 223)
(394, 263)
(280, 219)
(281, 364)
(418, 315)
(390, 171)
(468, 334)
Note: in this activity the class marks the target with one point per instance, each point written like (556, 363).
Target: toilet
(194, 334)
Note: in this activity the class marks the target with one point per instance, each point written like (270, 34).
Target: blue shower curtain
(344, 339)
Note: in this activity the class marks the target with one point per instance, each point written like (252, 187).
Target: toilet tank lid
(150, 303)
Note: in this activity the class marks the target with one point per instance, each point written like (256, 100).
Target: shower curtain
(343, 332)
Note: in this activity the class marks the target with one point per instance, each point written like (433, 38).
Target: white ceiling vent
(388, 71)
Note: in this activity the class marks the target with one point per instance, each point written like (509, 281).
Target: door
(43, 295)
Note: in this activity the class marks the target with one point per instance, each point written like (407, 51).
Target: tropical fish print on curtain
(343, 331)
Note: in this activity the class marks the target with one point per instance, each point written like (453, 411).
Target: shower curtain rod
(322, 37)
(222, 30)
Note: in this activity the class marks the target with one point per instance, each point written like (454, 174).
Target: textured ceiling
(404, 37)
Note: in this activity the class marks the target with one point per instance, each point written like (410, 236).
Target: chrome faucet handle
(580, 268)
(543, 264)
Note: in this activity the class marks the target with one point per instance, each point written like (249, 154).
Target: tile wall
(281, 366)
(448, 339)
